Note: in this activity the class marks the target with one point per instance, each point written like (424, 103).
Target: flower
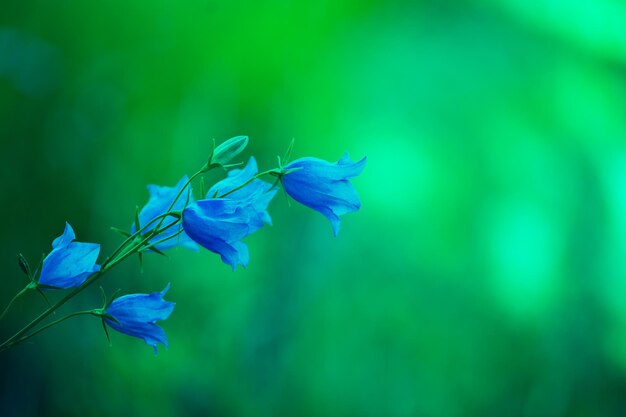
(161, 199)
(70, 263)
(136, 314)
(258, 193)
(219, 224)
(324, 186)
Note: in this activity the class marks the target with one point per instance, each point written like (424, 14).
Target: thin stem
(50, 310)
(18, 295)
(203, 170)
(122, 252)
(140, 244)
(42, 328)
(132, 237)
(257, 176)
(165, 239)
(92, 278)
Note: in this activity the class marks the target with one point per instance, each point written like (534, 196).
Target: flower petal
(318, 169)
(66, 238)
(235, 178)
(161, 198)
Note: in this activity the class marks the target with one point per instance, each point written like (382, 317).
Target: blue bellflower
(70, 263)
(161, 199)
(219, 224)
(324, 186)
(136, 315)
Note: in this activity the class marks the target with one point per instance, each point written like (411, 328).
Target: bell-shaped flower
(161, 199)
(324, 186)
(219, 224)
(136, 315)
(70, 263)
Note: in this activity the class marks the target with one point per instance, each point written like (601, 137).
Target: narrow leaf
(44, 296)
(120, 231)
(106, 331)
(137, 225)
(140, 261)
(202, 188)
(288, 152)
(155, 250)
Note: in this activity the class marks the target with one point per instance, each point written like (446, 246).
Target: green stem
(123, 251)
(42, 328)
(165, 239)
(132, 237)
(50, 310)
(93, 278)
(257, 176)
(18, 295)
(204, 169)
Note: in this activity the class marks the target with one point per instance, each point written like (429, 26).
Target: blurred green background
(484, 275)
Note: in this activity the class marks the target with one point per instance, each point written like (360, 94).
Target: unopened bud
(23, 263)
(227, 150)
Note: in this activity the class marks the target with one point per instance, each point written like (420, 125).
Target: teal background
(484, 275)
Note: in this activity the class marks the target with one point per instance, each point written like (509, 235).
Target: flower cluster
(219, 221)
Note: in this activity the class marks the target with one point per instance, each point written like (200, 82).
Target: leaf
(288, 152)
(137, 225)
(202, 188)
(120, 231)
(140, 261)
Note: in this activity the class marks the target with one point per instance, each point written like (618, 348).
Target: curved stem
(42, 328)
(18, 295)
(132, 237)
(50, 310)
(122, 252)
(239, 187)
(93, 278)
(203, 170)
(165, 239)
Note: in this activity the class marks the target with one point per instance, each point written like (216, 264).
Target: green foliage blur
(485, 274)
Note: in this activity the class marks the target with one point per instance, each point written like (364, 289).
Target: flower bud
(23, 264)
(227, 150)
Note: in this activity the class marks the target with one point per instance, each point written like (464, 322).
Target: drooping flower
(161, 199)
(219, 224)
(324, 186)
(70, 263)
(137, 314)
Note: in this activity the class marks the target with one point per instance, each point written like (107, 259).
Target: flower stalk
(215, 222)
(133, 244)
